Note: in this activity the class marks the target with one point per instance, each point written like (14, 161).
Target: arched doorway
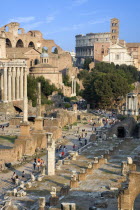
(137, 203)
(121, 133)
(31, 44)
(19, 43)
(8, 43)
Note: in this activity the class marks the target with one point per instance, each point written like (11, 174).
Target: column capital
(13, 69)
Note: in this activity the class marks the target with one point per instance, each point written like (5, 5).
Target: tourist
(74, 147)
(60, 156)
(38, 165)
(16, 180)
(38, 160)
(41, 162)
(79, 137)
(23, 174)
(85, 141)
(62, 153)
(81, 144)
(14, 177)
(34, 164)
(64, 149)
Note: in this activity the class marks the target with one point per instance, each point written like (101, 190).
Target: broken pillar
(89, 169)
(88, 108)
(42, 202)
(50, 160)
(53, 200)
(68, 206)
(74, 182)
(82, 175)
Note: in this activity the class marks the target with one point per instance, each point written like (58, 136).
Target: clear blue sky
(61, 20)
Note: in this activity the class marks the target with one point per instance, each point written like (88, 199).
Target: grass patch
(8, 138)
(75, 123)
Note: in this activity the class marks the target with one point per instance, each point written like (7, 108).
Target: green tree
(55, 51)
(86, 63)
(107, 83)
(46, 89)
(66, 80)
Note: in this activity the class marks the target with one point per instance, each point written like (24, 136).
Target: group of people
(62, 151)
(16, 177)
(38, 163)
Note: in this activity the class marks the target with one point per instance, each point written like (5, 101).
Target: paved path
(5, 178)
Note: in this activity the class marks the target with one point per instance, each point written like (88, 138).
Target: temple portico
(13, 76)
(131, 104)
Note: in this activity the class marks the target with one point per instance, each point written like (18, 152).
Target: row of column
(73, 88)
(84, 52)
(13, 83)
(131, 103)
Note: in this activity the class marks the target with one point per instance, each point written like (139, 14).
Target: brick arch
(8, 43)
(31, 44)
(20, 44)
(127, 197)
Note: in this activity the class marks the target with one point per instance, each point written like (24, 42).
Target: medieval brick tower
(114, 30)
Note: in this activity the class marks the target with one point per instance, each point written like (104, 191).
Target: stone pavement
(5, 178)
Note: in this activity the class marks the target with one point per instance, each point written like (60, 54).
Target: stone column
(25, 101)
(75, 87)
(13, 83)
(39, 100)
(2, 85)
(126, 103)
(72, 86)
(9, 84)
(5, 84)
(42, 203)
(21, 83)
(17, 84)
(50, 155)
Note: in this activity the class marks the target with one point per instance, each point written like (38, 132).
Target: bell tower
(114, 30)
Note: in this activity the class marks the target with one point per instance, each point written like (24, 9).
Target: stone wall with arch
(127, 197)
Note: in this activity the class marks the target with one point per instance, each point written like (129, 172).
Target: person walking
(85, 141)
(74, 147)
(34, 164)
(64, 149)
(60, 156)
(38, 165)
(62, 153)
(81, 144)
(23, 174)
(14, 177)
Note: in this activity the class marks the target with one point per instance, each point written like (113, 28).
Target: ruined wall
(66, 117)
(64, 61)
(52, 122)
(128, 124)
(127, 197)
(56, 131)
(100, 50)
(11, 155)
